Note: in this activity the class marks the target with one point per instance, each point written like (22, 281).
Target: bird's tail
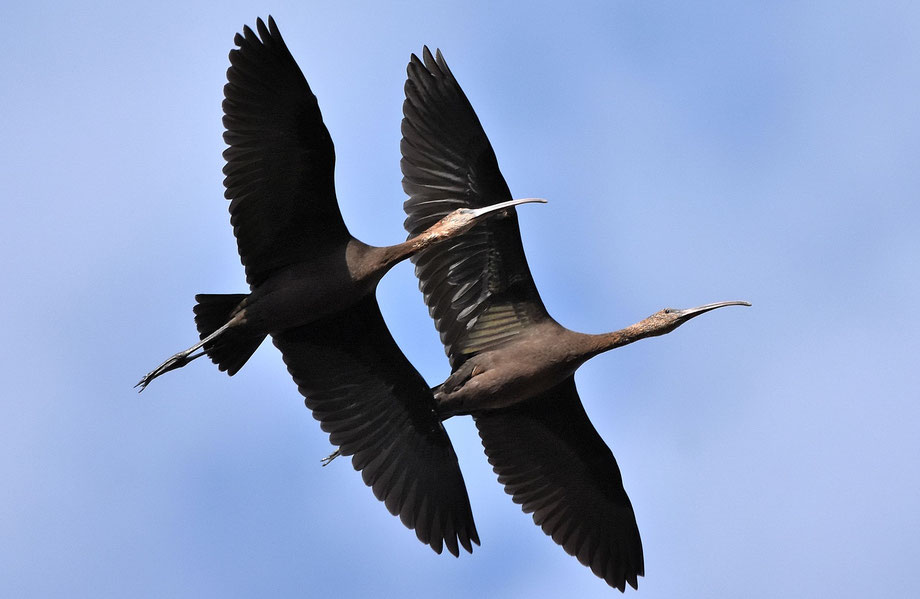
(231, 348)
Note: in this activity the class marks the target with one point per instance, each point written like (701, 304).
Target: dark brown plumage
(313, 290)
(513, 365)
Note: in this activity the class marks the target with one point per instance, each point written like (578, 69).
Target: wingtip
(273, 31)
(633, 579)
(263, 30)
(450, 541)
(429, 60)
(473, 535)
(415, 61)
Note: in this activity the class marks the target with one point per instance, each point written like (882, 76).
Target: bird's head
(665, 321)
(462, 219)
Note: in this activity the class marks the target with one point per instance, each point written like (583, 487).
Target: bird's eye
(667, 310)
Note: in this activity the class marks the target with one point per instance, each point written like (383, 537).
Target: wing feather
(553, 463)
(448, 163)
(280, 160)
(378, 409)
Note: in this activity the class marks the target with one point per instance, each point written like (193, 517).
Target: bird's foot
(328, 459)
(177, 361)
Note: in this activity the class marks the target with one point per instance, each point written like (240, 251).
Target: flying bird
(312, 288)
(513, 365)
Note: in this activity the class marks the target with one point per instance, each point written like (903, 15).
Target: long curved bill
(691, 312)
(477, 212)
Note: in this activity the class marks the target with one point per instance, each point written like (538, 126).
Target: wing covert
(280, 159)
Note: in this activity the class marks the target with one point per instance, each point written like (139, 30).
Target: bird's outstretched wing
(478, 288)
(281, 161)
(378, 409)
(552, 461)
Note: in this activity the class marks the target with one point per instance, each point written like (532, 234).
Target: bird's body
(312, 288)
(307, 291)
(334, 279)
(512, 364)
(538, 358)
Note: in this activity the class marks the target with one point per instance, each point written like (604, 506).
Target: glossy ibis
(513, 365)
(313, 290)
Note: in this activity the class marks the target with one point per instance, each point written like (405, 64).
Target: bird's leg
(457, 379)
(450, 396)
(328, 459)
(180, 359)
(177, 361)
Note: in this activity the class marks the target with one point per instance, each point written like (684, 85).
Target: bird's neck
(598, 344)
(382, 259)
(394, 254)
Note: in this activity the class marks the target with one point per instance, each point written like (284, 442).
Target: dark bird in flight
(313, 290)
(513, 365)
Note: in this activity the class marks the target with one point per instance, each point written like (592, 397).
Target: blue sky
(690, 153)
